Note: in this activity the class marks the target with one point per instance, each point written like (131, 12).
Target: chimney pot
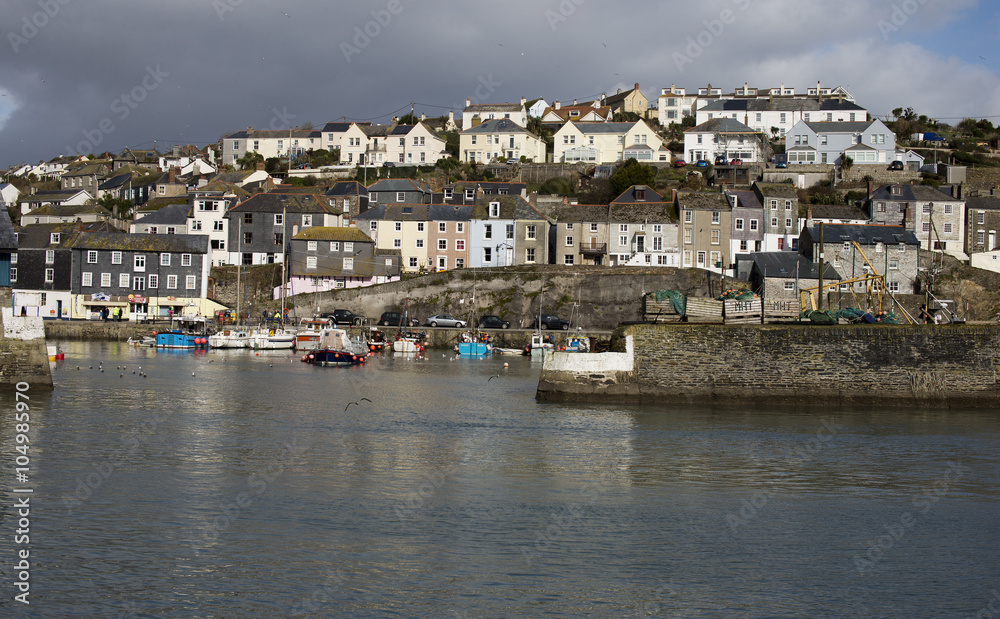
(468, 102)
(557, 105)
(637, 85)
(574, 101)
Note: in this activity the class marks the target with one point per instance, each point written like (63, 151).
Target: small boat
(146, 340)
(538, 344)
(577, 343)
(409, 341)
(474, 345)
(375, 340)
(335, 347)
(54, 353)
(230, 338)
(497, 350)
(266, 338)
(186, 333)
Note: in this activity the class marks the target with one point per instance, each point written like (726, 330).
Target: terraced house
(507, 230)
(260, 227)
(145, 276)
(705, 222)
(327, 258)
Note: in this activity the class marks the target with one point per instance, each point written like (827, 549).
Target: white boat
(538, 344)
(408, 341)
(266, 338)
(230, 338)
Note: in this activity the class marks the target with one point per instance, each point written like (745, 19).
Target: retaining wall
(922, 365)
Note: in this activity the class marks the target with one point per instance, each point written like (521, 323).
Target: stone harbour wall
(922, 365)
(23, 355)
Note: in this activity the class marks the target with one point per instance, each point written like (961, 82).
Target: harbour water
(230, 484)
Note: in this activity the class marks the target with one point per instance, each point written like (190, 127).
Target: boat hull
(474, 349)
(328, 357)
(181, 341)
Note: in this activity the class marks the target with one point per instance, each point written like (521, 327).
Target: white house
(868, 142)
(414, 144)
(8, 193)
(536, 107)
(475, 113)
(269, 143)
(365, 144)
(605, 142)
(723, 137)
(674, 104)
(776, 116)
(332, 135)
(497, 138)
(207, 216)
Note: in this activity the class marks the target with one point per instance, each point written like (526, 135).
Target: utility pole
(821, 269)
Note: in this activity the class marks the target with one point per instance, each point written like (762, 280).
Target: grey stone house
(781, 275)
(936, 217)
(261, 226)
(891, 250)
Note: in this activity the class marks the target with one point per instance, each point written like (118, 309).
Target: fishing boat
(409, 341)
(375, 339)
(577, 343)
(538, 344)
(272, 338)
(308, 335)
(186, 333)
(146, 340)
(474, 345)
(230, 338)
(335, 347)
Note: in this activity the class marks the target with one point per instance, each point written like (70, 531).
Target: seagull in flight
(358, 403)
(492, 377)
(286, 15)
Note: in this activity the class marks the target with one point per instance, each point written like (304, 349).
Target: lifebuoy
(271, 333)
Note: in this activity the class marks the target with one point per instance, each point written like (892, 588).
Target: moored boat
(230, 338)
(538, 344)
(186, 333)
(409, 341)
(335, 347)
(266, 338)
(308, 335)
(474, 345)
(375, 339)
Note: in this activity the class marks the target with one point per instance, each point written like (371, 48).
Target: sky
(87, 77)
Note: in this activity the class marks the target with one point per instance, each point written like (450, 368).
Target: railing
(593, 249)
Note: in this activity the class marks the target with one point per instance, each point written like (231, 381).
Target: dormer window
(448, 194)
(494, 209)
(470, 194)
(640, 195)
(400, 196)
(897, 191)
(54, 237)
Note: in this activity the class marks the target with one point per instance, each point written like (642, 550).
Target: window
(349, 264)
(54, 237)
(487, 254)
(893, 286)
(593, 227)
(91, 257)
(657, 243)
(925, 227)
(926, 209)
(569, 241)
(568, 259)
(743, 245)
(460, 227)
(138, 283)
(400, 196)
(105, 280)
(123, 280)
(334, 246)
(86, 280)
(164, 260)
(788, 222)
(13, 274)
(901, 248)
(529, 232)
(420, 226)
(893, 265)
(248, 218)
(949, 209)
(50, 256)
(13, 258)
(494, 209)
(687, 257)
(510, 232)
(715, 237)
(442, 244)
(739, 224)
(488, 231)
(373, 225)
(688, 236)
(442, 227)
(947, 228)
(529, 254)
(139, 262)
(753, 224)
(278, 219)
(420, 243)
(688, 216)
(311, 245)
(190, 281)
(623, 241)
(172, 282)
(397, 225)
(279, 238)
(248, 238)
(701, 259)
(981, 217)
(774, 222)
(459, 245)
(307, 220)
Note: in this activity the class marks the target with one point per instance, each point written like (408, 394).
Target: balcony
(593, 249)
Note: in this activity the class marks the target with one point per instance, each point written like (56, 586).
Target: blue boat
(474, 345)
(335, 347)
(186, 333)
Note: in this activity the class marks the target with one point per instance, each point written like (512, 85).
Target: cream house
(269, 143)
(498, 138)
(414, 144)
(605, 142)
(365, 144)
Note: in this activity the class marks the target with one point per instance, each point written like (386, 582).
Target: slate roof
(340, 127)
(702, 201)
(115, 181)
(498, 125)
(638, 213)
(746, 198)
(171, 214)
(8, 241)
(449, 212)
(781, 105)
(598, 127)
(51, 196)
(396, 211)
(494, 107)
(375, 131)
(912, 193)
(578, 213)
(330, 233)
(173, 243)
(398, 184)
(778, 190)
(273, 133)
(864, 234)
(511, 207)
(615, 98)
(988, 203)
(840, 127)
(782, 265)
(836, 211)
(291, 203)
(347, 188)
(56, 210)
(628, 196)
(87, 170)
(721, 125)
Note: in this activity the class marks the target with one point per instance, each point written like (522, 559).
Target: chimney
(423, 116)
(869, 194)
(961, 191)
(468, 102)
(249, 129)
(177, 150)
(451, 116)
(260, 165)
(809, 213)
(172, 174)
(479, 192)
(565, 199)
(523, 100)
(673, 195)
(637, 85)
(954, 191)
(574, 101)
(746, 88)
(819, 93)
(557, 105)
(533, 198)
(619, 91)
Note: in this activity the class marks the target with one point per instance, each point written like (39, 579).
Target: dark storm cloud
(104, 75)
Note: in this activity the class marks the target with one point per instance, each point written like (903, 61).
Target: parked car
(396, 319)
(389, 164)
(720, 160)
(896, 165)
(444, 320)
(701, 163)
(680, 163)
(342, 317)
(736, 162)
(781, 164)
(551, 321)
(493, 322)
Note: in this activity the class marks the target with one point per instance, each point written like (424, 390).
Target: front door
(640, 244)
(59, 310)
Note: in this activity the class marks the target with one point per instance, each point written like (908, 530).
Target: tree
(408, 119)
(250, 160)
(121, 208)
(631, 172)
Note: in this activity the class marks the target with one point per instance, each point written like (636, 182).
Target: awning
(107, 303)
